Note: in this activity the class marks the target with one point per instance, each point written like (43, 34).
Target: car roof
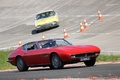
(45, 11)
(44, 40)
(51, 39)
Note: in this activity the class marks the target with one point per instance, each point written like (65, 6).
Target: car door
(44, 51)
(32, 54)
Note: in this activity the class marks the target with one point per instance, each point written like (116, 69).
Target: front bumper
(46, 26)
(9, 61)
(84, 57)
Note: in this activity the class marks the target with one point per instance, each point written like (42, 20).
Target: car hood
(46, 20)
(79, 49)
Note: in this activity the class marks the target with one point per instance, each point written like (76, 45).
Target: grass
(5, 65)
(3, 61)
(108, 58)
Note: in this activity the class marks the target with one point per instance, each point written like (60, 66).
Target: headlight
(72, 56)
(54, 23)
(96, 54)
(38, 26)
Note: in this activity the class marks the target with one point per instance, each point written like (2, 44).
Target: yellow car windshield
(45, 15)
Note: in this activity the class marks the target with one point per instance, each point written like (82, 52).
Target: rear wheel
(56, 62)
(90, 62)
(21, 64)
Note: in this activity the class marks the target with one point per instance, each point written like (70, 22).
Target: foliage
(108, 58)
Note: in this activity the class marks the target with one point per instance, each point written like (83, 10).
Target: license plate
(84, 58)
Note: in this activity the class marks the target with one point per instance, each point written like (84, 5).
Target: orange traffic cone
(81, 27)
(65, 34)
(43, 79)
(99, 15)
(43, 37)
(20, 43)
(86, 24)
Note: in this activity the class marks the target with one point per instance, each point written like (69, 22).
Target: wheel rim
(55, 61)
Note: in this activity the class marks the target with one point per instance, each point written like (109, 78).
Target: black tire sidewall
(60, 63)
(90, 62)
(24, 67)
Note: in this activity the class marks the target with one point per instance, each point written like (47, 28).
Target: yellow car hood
(46, 20)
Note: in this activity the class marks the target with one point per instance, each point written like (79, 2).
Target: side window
(31, 46)
(24, 47)
(52, 13)
(43, 44)
(38, 17)
(46, 44)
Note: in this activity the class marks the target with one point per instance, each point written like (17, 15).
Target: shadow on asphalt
(47, 68)
(66, 67)
(40, 31)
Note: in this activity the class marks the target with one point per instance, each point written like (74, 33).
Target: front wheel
(21, 64)
(56, 62)
(90, 62)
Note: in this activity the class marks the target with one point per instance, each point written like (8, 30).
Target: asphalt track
(70, 72)
(17, 22)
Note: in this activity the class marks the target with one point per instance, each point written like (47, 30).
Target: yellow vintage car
(46, 20)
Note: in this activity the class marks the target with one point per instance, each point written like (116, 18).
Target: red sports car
(54, 53)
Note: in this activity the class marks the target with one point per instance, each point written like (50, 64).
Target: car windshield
(45, 15)
(53, 43)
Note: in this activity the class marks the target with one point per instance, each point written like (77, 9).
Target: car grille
(85, 55)
(49, 24)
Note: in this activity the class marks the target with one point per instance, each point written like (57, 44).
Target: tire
(21, 66)
(37, 31)
(56, 62)
(34, 32)
(90, 62)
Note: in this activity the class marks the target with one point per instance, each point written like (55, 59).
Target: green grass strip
(107, 58)
(3, 61)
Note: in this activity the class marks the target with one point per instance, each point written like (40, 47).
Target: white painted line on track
(59, 6)
(73, 33)
(90, 23)
(88, 15)
(16, 24)
(112, 4)
(78, 31)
